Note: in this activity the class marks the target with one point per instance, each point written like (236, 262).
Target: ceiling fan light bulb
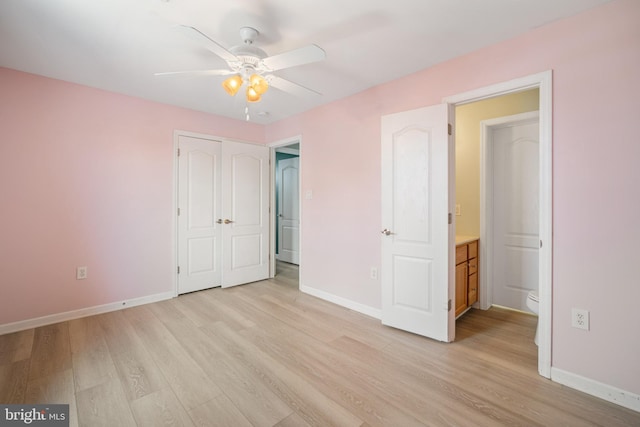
(232, 84)
(252, 95)
(259, 84)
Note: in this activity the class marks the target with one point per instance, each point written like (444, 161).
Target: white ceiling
(118, 45)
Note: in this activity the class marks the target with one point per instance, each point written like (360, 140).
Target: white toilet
(533, 303)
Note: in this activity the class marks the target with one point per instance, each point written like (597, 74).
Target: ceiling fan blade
(197, 73)
(208, 43)
(293, 58)
(289, 86)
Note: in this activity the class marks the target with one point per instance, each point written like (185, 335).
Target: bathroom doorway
(525, 93)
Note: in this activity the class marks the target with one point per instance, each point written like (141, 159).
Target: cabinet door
(461, 288)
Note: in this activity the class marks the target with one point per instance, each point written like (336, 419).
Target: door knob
(386, 232)
(219, 221)
(227, 221)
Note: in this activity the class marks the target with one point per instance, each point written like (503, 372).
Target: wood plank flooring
(264, 354)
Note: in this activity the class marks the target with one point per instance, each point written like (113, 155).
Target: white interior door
(199, 235)
(417, 259)
(514, 148)
(288, 210)
(245, 199)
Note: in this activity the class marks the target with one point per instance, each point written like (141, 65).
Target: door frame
(542, 81)
(272, 214)
(486, 196)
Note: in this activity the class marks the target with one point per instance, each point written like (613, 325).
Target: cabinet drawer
(461, 254)
(472, 296)
(473, 265)
(473, 249)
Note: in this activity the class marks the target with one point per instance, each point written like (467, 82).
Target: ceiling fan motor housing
(248, 35)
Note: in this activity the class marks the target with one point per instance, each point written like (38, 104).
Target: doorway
(497, 192)
(541, 82)
(287, 211)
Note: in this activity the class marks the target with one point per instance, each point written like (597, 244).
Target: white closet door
(223, 227)
(245, 197)
(199, 203)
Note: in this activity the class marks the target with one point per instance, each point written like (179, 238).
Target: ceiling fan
(251, 65)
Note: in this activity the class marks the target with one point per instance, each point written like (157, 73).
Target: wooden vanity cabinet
(466, 275)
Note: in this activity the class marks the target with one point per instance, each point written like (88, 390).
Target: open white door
(199, 234)
(417, 260)
(245, 200)
(288, 210)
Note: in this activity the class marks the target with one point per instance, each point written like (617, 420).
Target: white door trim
(486, 196)
(542, 81)
(272, 215)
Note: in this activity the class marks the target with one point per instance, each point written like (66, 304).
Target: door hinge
(450, 218)
(178, 152)
(449, 128)
(449, 306)
(178, 269)
(540, 244)
(178, 211)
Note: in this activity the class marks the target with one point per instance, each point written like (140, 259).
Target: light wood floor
(265, 354)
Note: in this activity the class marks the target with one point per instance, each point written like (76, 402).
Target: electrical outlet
(374, 273)
(81, 273)
(580, 318)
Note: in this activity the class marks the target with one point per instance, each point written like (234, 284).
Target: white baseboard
(597, 389)
(351, 305)
(83, 312)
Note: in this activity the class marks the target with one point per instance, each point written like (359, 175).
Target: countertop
(460, 240)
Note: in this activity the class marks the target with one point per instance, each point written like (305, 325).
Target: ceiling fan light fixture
(232, 84)
(252, 95)
(259, 84)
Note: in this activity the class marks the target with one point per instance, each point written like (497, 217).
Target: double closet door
(223, 213)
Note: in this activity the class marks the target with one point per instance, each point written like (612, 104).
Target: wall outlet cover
(580, 318)
(81, 273)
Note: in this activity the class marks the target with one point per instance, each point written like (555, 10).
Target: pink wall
(595, 58)
(86, 178)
